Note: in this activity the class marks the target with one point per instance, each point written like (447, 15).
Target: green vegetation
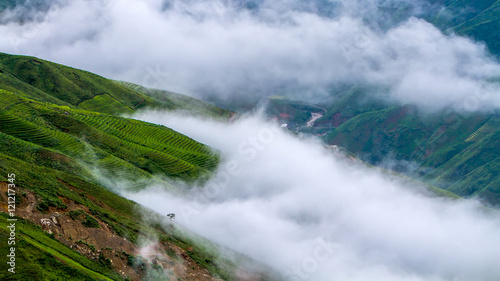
(44, 81)
(67, 260)
(40, 257)
(105, 103)
(91, 247)
(61, 134)
(454, 151)
(479, 19)
(291, 113)
(171, 253)
(76, 214)
(448, 150)
(54, 110)
(90, 222)
(120, 146)
(173, 101)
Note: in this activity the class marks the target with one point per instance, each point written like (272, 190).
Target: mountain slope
(174, 101)
(455, 151)
(62, 85)
(120, 145)
(445, 152)
(69, 228)
(477, 19)
(62, 139)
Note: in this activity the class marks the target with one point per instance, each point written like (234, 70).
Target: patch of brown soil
(95, 242)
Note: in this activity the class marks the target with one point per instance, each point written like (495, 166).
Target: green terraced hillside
(118, 145)
(61, 134)
(76, 113)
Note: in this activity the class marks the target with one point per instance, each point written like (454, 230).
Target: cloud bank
(293, 205)
(258, 48)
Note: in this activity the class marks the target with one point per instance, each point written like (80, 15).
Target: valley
(250, 140)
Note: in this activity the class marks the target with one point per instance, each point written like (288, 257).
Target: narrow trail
(314, 117)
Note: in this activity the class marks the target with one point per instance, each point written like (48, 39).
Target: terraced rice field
(124, 146)
(156, 141)
(105, 103)
(488, 128)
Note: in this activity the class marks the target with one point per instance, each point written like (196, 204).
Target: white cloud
(282, 200)
(289, 203)
(217, 47)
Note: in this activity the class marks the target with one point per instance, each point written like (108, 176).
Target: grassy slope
(58, 126)
(51, 187)
(174, 101)
(58, 84)
(44, 262)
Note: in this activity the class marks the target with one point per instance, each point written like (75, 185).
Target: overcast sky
(203, 47)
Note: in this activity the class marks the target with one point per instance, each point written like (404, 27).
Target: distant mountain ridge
(62, 85)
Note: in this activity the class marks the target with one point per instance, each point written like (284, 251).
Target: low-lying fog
(292, 204)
